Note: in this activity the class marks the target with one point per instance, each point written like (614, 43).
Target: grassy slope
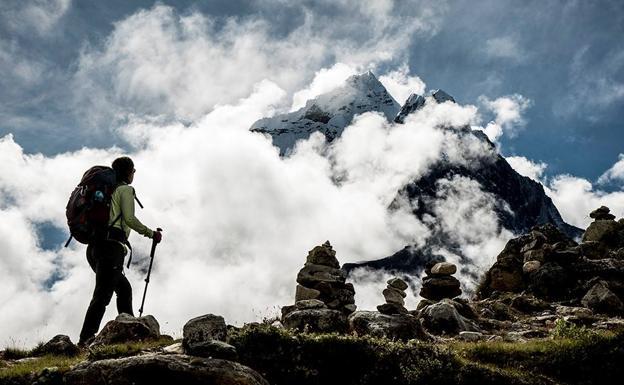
(283, 357)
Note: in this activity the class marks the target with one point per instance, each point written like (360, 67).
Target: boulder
(392, 308)
(126, 328)
(323, 255)
(436, 288)
(470, 336)
(212, 349)
(529, 304)
(287, 309)
(593, 250)
(506, 277)
(397, 283)
(316, 320)
(603, 231)
(398, 327)
(602, 300)
(202, 329)
(551, 281)
(152, 369)
(536, 254)
(443, 318)
(443, 268)
(303, 292)
(310, 304)
(394, 296)
(531, 267)
(312, 274)
(59, 345)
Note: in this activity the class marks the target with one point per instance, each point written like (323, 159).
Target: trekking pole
(149, 271)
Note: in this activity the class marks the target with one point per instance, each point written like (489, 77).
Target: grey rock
(312, 274)
(397, 283)
(60, 345)
(126, 328)
(323, 255)
(444, 268)
(602, 300)
(287, 309)
(393, 296)
(316, 320)
(176, 348)
(535, 255)
(391, 308)
(573, 310)
(202, 329)
(399, 326)
(436, 288)
(531, 267)
(604, 231)
(310, 304)
(424, 303)
(303, 292)
(152, 369)
(471, 336)
(350, 308)
(212, 349)
(443, 318)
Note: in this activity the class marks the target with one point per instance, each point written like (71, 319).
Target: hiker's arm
(127, 209)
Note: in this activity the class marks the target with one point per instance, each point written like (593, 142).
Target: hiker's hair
(123, 167)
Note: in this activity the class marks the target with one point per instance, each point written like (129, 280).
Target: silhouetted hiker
(106, 255)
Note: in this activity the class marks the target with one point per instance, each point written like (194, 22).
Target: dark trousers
(106, 259)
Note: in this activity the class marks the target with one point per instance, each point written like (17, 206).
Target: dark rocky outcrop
(550, 266)
(162, 369)
(204, 336)
(394, 326)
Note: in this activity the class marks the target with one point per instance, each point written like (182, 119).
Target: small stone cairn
(395, 295)
(321, 283)
(440, 283)
(601, 214)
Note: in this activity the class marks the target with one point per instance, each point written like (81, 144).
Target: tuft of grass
(564, 329)
(577, 357)
(126, 349)
(15, 353)
(24, 370)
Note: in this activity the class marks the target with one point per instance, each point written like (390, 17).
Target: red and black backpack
(88, 208)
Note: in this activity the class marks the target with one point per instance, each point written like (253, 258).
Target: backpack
(88, 208)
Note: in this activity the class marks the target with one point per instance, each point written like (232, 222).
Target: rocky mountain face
(519, 202)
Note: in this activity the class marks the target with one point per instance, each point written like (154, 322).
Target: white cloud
(527, 167)
(576, 197)
(38, 15)
(325, 80)
(508, 112)
(615, 173)
(400, 84)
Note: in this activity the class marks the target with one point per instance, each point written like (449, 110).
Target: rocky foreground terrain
(548, 311)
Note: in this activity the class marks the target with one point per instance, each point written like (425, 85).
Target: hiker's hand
(157, 236)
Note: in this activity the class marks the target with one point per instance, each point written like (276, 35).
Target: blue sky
(566, 57)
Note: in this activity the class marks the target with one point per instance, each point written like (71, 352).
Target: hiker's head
(124, 168)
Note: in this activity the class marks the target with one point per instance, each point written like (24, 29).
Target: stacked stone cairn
(440, 283)
(394, 295)
(323, 299)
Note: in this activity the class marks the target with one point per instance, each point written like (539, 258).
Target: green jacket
(123, 202)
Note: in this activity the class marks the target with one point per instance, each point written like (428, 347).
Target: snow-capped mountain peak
(329, 113)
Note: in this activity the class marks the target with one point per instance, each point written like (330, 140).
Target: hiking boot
(84, 344)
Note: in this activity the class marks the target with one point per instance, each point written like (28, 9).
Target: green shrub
(564, 329)
(284, 357)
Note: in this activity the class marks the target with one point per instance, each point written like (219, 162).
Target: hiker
(106, 255)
